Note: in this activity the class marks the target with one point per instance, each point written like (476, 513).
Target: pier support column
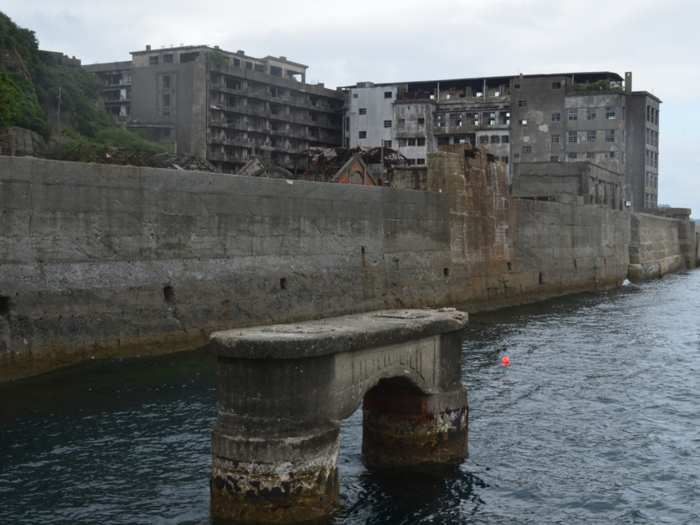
(406, 430)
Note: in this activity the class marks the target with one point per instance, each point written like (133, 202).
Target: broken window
(572, 156)
(363, 134)
(554, 158)
(590, 136)
(484, 139)
(275, 71)
(522, 123)
(421, 121)
(363, 111)
(556, 117)
(555, 138)
(609, 135)
(421, 141)
(167, 59)
(387, 123)
(609, 155)
(610, 113)
(591, 113)
(188, 57)
(260, 68)
(527, 150)
(420, 161)
(495, 139)
(504, 159)
(236, 62)
(411, 142)
(443, 141)
(556, 85)
(505, 139)
(249, 66)
(573, 114)
(573, 137)
(152, 61)
(402, 143)
(387, 143)
(387, 94)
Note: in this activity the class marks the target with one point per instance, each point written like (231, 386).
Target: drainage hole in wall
(446, 272)
(509, 267)
(4, 306)
(283, 283)
(541, 279)
(169, 294)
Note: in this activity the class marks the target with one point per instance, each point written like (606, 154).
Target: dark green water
(595, 421)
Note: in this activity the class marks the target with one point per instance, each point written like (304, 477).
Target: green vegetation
(217, 56)
(29, 87)
(604, 84)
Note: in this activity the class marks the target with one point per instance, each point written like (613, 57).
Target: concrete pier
(284, 389)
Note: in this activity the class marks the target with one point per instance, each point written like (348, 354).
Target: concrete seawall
(115, 261)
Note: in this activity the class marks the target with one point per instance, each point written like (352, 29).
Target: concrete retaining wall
(655, 248)
(115, 261)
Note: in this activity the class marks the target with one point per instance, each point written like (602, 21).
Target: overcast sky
(390, 41)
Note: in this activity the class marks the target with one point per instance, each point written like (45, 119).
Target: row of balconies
(266, 96)
(293, 119)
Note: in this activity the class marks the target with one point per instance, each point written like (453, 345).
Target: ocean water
(596, 420)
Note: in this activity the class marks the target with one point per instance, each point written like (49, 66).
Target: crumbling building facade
(573, 117)
(222, 106)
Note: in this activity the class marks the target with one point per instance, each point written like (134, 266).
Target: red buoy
(505, 361)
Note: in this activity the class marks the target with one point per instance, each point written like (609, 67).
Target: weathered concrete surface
(284, 389)
(117, 261)
(659, 246)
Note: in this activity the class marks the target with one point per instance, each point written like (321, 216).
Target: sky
(404, 40)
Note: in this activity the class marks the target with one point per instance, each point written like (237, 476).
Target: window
(152, 61)
(387, 143)
(516, 156)
(648, 113)
(421, 141)
(402, 121)
(167, 59)
(166, 100)
(591, 113)
(610, 113)
(483, 139)
(624, 112)
(387, 94)
(495, 139)
(522, 103)
(459, 139)
(363, 134)
(412, 162)
(387, 123)
(522, 123)
(354, 95)
(590, 155)
(556, 85)
(590, 136)
(554, 158)
(573, 114)
(572, 156)
(555, 138)
(556, 117)
(656, 120)
(443, 141)
(573, 137)
(420, 161)
(609, 135)
(505, 139)
(402, 143)
(516, 86)
(363, 111)
(504, 160)
(609, 155)
(411, 142)
(527, 150)
(166, 82)
(421, 121)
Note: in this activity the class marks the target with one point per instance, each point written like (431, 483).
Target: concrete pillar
(283, 391)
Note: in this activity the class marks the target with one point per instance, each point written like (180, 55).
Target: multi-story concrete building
(222, 106)
(594, 117)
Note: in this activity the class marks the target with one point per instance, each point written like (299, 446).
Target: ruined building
(222, 106)
(568, 117)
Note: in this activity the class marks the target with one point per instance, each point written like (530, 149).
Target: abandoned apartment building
(223, 106)
(568, 117)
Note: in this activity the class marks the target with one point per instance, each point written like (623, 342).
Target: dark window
(591, 113)
(572, 156)
(188, 57)
(556, 85)
(411, 142)
(387, 94)
(522, 123)
(166, 100)
(354, 95)
(420, 161)
(554, 159)
(556, 117)
(573, 114)
(573, 137)
(387, 143)
(516, 86)
(505, 139)
(590, 155)
(610, 113)
(495, 139)
(152, 61)
(363, 111)
(527, 150)
(363, 134)
(443, 141)
(484, 139)
(421, 141)
(555, 138)
(387, 123)
(590, 136)
(421, 121)
(166, 82)
(609, 135)
(167, 59)
(522, 103)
